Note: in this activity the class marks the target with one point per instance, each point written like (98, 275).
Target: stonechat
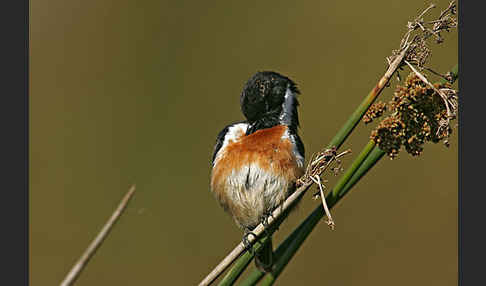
(256, 162)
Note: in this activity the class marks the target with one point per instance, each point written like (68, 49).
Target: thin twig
(450, 8)
(96, 243)
(437, 74)
(240, 248)
(330, 221)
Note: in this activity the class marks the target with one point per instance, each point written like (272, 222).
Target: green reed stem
(240, 265)
(354, 166)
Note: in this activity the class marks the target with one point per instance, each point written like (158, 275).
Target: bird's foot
(246, 241)
(265, 222)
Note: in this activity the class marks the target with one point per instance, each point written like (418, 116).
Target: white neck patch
(235, 132)
(287, 106)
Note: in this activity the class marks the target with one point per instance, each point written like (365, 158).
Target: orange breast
(264, 147)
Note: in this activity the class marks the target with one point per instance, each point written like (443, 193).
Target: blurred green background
(129, 92)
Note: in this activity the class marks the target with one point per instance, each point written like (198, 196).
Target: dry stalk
(96, 243)
(419, 31)
(330, 221)
(318, 164)
(315, 167)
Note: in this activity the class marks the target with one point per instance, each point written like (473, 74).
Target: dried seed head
(376, 110)
(420, 30)
(418, 115)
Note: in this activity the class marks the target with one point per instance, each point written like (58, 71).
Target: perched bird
(256, 162)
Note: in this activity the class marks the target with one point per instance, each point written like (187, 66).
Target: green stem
(354, 166)
(237, 269)
(454, 74)
(351, 123)
(256, 275)
(355, 118)
(244, 260)
(241, 264)
(253, 278)
(370, 161)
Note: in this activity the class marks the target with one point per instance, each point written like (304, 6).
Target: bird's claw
(246, 241)
(265, 222)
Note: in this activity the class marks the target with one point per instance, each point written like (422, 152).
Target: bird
(256, 161)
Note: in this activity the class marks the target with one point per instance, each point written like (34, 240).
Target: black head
(269, 99)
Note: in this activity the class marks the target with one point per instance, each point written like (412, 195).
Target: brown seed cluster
(417, 115)
(376, 110)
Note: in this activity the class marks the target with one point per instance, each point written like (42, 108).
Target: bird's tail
(264, 257)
